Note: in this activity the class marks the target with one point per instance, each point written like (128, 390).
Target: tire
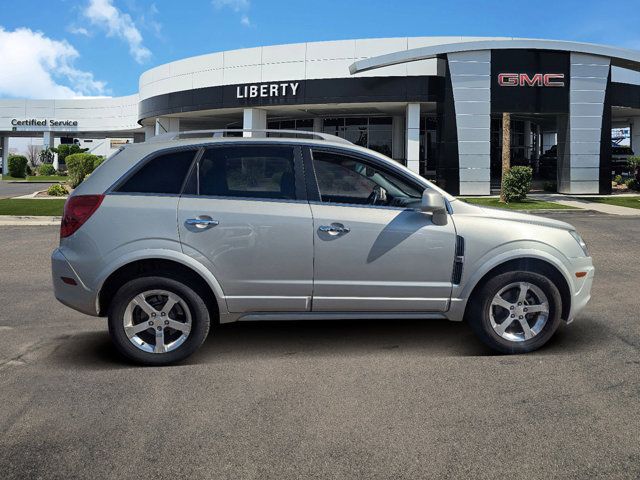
(486, 312)
(160, 343)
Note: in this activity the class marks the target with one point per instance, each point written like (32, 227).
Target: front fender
(476, 269)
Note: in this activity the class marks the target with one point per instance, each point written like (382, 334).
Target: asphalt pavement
(15, 189)
(339, 399)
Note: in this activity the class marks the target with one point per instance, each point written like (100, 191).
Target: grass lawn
(527, 204)
(39, 178)
(19, 206)
(632, 202)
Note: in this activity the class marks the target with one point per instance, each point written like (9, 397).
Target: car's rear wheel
(157, 320)
(515, 312)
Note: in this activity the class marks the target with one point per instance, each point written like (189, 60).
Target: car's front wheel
(515, 312)
(157, 320)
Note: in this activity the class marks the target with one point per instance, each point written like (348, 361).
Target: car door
(374, 250)
(245, 216)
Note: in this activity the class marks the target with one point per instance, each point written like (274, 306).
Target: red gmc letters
(536, 80)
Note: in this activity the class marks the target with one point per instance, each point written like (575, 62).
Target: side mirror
(432, 202)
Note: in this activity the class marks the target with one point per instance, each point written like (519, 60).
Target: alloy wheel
(519, 311)
(157, 321)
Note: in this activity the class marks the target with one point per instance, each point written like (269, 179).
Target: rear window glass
(163, 174)
(249, 172)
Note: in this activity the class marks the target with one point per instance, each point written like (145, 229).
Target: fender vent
(456, 275)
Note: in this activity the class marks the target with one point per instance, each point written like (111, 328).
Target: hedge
(517, 183)
(79, 165)
(18, 166)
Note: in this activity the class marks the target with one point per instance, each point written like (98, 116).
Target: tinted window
(163, 174)
(345, 179)
(254, 172)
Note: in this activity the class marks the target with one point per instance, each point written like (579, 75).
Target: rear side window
(247, 171)
(163, 174)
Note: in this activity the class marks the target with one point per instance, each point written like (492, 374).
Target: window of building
(250, 172)
(163, 174)
(304, 125)
(375, 133)
(345, 179)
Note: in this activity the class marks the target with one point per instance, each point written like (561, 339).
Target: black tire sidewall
(479, 317)
(197, 307)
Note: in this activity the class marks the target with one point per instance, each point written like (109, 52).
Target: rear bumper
(77, 296)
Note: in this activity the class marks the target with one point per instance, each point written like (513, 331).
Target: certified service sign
(34, 122)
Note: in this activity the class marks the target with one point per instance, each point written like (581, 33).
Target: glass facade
(375, 133)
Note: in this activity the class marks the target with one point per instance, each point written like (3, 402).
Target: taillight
(77, 210)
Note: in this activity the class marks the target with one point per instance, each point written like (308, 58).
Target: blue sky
(65, 48)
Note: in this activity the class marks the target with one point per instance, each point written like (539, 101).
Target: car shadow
(403, 225)
(308, 339)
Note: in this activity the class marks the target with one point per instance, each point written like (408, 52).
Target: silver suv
(170, 236)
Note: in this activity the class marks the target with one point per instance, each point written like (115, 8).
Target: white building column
(149, 131)
(397, 138)
(166, 125)
(579, 169)
(412, 135)
(471, 82)
(254, 119)
(317, 125)
(4, 144)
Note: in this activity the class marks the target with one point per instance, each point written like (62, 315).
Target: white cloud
(238, 6)
(235, 5)
(78, 30)
(35, 66)
(104, 15)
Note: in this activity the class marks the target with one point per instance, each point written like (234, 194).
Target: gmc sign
(537, 80)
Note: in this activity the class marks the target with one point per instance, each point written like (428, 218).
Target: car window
(163, 174)
(248, 171)
(346, 179)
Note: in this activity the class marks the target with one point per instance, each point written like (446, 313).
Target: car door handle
(334, 229)
(202, 222)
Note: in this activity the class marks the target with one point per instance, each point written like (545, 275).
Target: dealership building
(434, 104)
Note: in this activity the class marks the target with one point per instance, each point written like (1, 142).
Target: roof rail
(233, 132)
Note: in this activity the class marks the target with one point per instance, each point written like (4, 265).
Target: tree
(33, 154)
(65, 150)
(506, 152)
(634, 166)
(46, 155)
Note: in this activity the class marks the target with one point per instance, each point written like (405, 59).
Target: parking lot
(381, 399)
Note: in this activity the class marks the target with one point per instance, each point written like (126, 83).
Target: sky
(67, 49)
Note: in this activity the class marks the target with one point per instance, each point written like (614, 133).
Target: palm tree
(506, 151)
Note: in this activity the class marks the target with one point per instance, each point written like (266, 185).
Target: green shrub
(65, 150)
(17, 166)
(57, 190)
(98, 161)
(634, 164)
(517, 183)
(632, 184)
(29, 171)
(79, 165)
(550, 187)
(46, 169)
(617, 179)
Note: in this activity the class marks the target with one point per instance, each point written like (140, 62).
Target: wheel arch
(529, 264)
(208, 288)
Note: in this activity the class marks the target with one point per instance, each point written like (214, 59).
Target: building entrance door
(536, 142)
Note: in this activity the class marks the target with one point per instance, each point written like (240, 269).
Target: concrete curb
(15, 220)
(555, 210)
